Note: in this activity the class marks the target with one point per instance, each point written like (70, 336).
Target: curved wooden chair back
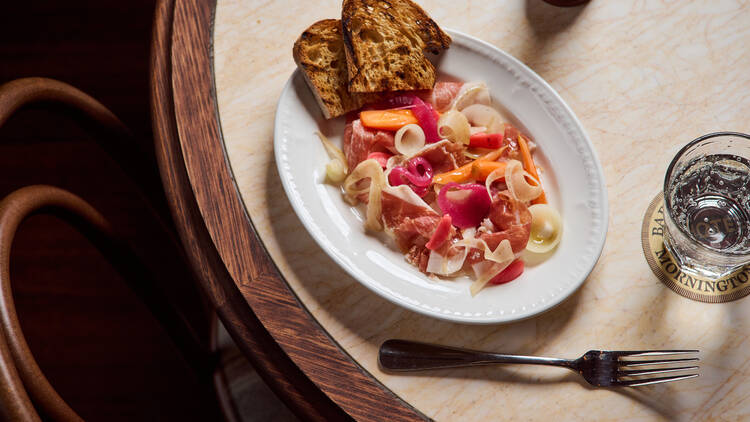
(21, 377)
(25, 393)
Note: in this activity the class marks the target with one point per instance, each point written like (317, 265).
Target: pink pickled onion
(467, 209)
(434, 112)
(441, 233)
(424, 114)
(420, 171)
(401, 176)
(418, 175)
(397, 176)
(420, 190)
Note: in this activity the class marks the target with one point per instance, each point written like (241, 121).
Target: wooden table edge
(261, 312)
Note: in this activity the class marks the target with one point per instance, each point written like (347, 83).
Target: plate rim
(599, 243)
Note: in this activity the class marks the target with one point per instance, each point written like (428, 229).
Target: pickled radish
(510, 273)
(467, 204)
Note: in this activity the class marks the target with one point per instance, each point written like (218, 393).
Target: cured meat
(410, 224)
(442, 95)
(444, 156)
(508, 219)
(418, 256)
(506, 212)
(510, 138)
(517, 235)
(512, 221)
(360, 141)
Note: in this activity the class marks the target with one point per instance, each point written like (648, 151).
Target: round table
(644, 78)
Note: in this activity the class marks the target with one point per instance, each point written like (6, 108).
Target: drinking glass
(707, 205)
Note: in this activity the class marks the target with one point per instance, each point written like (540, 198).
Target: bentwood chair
(25, 393)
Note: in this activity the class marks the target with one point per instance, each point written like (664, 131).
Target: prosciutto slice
(442, 95)
(506, 212)
(517, 235)
(512, 221)
(444, 156)
(507, 219)
(407, 217)
(418, 256)
(360, 141)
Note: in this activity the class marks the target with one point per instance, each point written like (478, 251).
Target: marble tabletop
(644, 77)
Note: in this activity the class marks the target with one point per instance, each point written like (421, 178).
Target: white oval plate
(539, 111)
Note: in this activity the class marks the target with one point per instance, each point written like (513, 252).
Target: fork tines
(642, 376)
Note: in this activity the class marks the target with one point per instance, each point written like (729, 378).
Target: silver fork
(598, 368)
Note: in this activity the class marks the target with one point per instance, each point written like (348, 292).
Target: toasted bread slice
(319, 53)
(385, 45)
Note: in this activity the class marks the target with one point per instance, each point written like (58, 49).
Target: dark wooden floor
(98, 345)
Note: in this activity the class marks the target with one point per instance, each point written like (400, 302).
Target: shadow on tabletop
(660, 397)
(547, 23)
(721, 344)
(659, 332)
(547, 20)
(502, 373)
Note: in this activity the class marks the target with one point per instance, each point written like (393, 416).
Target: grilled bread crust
(319, 53)
(385, 43)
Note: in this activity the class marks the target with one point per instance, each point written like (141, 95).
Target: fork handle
(405, 355)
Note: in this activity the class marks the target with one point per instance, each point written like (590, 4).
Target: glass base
(689, 283)
(691, 266)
